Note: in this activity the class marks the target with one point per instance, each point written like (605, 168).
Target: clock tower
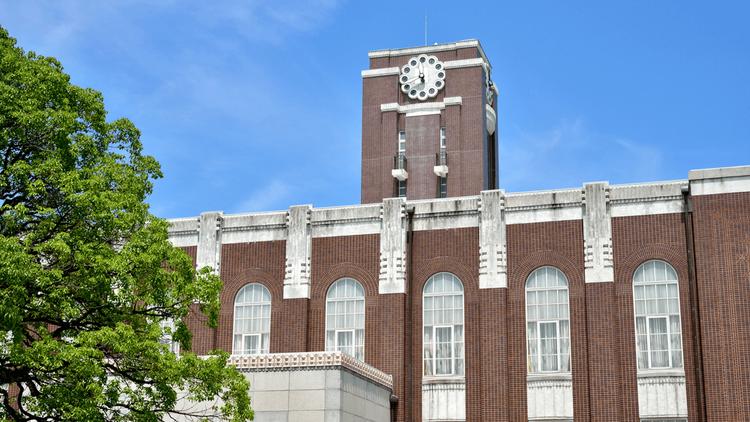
(429, 123)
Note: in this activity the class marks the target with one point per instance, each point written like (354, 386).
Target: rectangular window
(402, 142)
(345, 341)
(444, 350)
(401, 188)
(442, 138)
(443, 187)
(658, 342)
(252, 344)
(549, 346)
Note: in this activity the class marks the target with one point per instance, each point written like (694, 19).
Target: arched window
(443, 326)
(547, 321)
(252, 320)
(345, 318)
(657, 316)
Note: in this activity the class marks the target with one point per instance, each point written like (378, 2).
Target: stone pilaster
(597, 233)
(298, 251)
(208, 253)
(493, 266)
(393, 247)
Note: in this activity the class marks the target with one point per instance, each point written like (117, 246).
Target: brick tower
(429, 123)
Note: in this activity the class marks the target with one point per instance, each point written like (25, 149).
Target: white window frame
(443, 139)
(667, 316)
(538, 368)
(402, 142)
(336, 331)
(669, 341)
(337, 346)
(433, 331)
(259, 342)
(451, 358)
(260, 334)
(539, 344)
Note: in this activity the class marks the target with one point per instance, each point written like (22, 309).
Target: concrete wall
(317, 395)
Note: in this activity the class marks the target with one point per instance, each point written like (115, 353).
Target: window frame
(557, 343)
(401, 188)
(537, 368)
(433, 329)
(401, 142)
(451, 358)
(334, 347)
(667, 316)
(262, 347)
(443, 139)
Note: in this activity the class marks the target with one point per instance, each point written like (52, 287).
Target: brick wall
(602, 322)
(468, 150)
(722, 251)
(531, 246)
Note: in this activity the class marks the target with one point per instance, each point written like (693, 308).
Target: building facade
(599, 303)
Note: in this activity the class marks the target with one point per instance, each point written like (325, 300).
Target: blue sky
(256, 105)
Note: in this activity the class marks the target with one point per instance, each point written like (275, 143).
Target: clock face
(422, 77)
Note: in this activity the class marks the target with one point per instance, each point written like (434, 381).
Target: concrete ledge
(719, 173)
(421, 109)
(429, 49)
(719, 180)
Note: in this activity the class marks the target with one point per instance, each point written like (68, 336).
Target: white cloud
(571, 153)
(273, 196)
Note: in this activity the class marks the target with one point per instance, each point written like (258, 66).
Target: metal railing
(399, 161)
(441, 158)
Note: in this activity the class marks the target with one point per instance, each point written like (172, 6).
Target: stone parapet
(310, 360)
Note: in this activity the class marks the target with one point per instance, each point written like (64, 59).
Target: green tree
(89, 283)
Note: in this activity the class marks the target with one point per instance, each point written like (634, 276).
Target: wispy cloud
(570, 153)
(274, 196)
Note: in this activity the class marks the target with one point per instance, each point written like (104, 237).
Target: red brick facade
(470, 150)
(602, 322)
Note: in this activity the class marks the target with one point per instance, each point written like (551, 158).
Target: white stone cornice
(184, 231)
(429, 49)
(448, 64)
(421, 109)
(719, 180)
(646, 198)
(543, 206)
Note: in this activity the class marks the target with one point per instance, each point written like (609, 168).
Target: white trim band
(429, 49)
(421, 109)
(449, 64)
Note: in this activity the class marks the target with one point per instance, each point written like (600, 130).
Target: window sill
(653, 373)
(563, 376)
(443, 380)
